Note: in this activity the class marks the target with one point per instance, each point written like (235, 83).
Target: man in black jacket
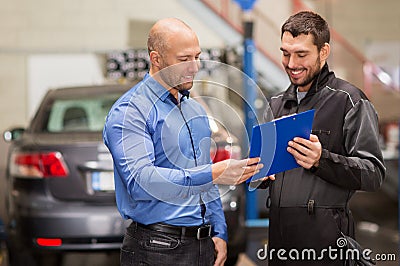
(309, 205)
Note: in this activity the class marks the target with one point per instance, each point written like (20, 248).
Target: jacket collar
(320, 82)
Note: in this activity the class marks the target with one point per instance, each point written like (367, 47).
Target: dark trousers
(296, 230)
(142, 246)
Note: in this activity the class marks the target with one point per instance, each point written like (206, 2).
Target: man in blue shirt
(160, 142)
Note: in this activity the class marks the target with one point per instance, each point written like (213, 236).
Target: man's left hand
(306, 152)
(220, 251)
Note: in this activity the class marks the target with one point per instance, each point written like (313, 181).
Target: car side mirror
(13, 134)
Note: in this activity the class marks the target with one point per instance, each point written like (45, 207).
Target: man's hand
(272, 177)
(255, 184)
(306, 152)
(220, 251)
(234, 172)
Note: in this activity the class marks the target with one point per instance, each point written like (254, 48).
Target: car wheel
(3, 254)
(48, 259)
(231, 261)
(20, 256)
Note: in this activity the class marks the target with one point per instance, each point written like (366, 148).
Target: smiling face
(301, 59)
(180, 62)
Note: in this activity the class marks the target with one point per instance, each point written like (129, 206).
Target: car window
(73, 115)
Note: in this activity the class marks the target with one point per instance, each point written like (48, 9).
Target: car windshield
(83, 114)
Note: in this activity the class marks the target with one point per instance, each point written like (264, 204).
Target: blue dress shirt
(161, 154)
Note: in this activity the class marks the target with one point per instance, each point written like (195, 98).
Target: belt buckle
(203, 232)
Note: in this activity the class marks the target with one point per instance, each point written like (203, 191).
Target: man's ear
(155, 58)
(325, 51)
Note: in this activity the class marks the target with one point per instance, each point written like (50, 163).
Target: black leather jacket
(346, 124)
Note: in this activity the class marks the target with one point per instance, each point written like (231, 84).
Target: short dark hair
(306, 22)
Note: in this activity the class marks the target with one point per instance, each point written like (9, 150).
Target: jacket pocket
(323, 136)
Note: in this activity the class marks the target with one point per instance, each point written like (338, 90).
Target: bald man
(165, 182)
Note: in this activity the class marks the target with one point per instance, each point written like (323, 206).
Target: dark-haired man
(309, 205)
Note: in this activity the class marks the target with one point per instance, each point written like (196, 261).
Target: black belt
(200, 232)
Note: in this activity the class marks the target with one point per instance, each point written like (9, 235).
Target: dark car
(60, 180)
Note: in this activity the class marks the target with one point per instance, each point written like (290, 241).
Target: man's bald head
(162, 30)
(172, 42)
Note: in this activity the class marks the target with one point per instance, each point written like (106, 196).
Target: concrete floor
(377, 229)
(376, 218)
(375, 213)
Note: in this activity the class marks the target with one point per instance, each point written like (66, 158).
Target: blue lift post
(249, 94)
(250, 97)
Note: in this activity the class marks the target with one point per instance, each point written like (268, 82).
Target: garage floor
(377, 223)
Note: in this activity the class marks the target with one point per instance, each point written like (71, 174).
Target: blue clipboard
(270, 141)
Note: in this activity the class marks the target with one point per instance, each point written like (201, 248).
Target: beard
(309, 78)
(172, 76)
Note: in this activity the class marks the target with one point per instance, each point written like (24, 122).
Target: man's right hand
(234, 172)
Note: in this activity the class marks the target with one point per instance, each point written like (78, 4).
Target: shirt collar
(156, 87)
(160, 91)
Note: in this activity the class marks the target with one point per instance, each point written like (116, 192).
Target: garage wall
(47, 27)
(57, 70)
(70, 29)
(12, 92)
